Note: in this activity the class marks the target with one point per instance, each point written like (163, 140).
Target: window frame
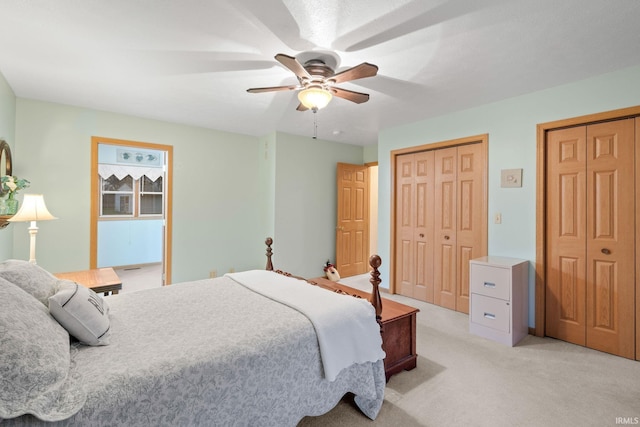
(141, 193)
(131, 193)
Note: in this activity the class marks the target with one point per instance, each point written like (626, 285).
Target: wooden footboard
(374, 261)
(397, 321)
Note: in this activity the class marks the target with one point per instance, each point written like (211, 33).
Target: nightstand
(99, 280)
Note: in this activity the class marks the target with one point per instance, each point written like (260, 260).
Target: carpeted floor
(140, 277)
(465, 380)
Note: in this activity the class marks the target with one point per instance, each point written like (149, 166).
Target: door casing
(95, 203)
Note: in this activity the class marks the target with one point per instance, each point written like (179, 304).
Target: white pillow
(82, 312)
(32, 278)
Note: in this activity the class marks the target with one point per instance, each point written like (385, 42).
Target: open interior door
(352, 226)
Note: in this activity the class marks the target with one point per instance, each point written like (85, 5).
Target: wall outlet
(497, 218)
(213, 274)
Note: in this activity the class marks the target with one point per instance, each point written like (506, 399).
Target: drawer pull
(489, 285)
(489, 315)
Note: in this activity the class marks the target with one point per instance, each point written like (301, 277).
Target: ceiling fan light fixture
(314, 97)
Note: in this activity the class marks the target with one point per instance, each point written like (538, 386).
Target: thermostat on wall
(511, 178)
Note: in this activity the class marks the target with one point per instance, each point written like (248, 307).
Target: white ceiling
(191, 61)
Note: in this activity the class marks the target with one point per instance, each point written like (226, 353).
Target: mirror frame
(6, 150)
(8, 170)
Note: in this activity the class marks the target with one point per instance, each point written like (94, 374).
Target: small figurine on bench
(331, 272)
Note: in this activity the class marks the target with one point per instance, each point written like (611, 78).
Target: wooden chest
(398, 329)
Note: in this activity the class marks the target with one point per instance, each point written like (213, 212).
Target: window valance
(136, 172)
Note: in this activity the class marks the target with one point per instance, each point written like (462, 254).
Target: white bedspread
(343, 340)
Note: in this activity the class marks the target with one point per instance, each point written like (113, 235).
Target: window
(128, 197)
(117, 196)
(151, 200)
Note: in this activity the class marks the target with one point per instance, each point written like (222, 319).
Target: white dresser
(499, 307)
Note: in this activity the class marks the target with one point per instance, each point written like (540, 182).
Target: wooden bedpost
(269, 242)
(375, 262)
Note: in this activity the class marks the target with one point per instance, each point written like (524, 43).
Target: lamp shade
(314, 97)
(32, 209)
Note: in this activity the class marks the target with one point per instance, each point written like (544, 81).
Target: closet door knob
(446, 237)
(421, 235)
(606, 251)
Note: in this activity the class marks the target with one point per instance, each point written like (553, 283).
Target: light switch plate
(511, 178)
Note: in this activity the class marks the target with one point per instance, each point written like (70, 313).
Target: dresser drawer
(491, 312)
(490, 281)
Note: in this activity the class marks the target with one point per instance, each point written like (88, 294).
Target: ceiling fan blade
(292, 63)
(407, 19)
(350, 95)
(180, 62)
(275, 17)
(358, 72)
(301, 107)
(273, 88)
(397, 88)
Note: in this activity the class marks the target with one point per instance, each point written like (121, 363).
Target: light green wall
(230, 191)
(7, 132)
(511, 125)
(268, 180)
(305, 219)
(370, 153)
(217, 197)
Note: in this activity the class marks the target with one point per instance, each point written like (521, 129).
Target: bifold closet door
(445, 264)
(414, 225)
(590, 295)
(566, 235)
(471, 217)
(459, 222)
(440, 223)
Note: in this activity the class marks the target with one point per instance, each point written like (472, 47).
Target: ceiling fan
(317, 80)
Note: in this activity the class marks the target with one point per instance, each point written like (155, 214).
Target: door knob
(446, 237)
(606, 251)
(421, 235)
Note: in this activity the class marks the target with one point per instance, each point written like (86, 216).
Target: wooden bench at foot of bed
(397, 321)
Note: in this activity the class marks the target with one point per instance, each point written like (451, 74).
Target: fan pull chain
(315, 123)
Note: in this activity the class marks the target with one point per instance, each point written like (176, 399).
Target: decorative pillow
(30, 277)
(35, 375)
(82, 312)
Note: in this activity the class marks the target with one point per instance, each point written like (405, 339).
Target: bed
(212, 352)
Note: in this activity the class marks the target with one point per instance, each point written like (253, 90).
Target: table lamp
(32, 209)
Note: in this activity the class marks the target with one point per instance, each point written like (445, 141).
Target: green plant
(12, 184)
